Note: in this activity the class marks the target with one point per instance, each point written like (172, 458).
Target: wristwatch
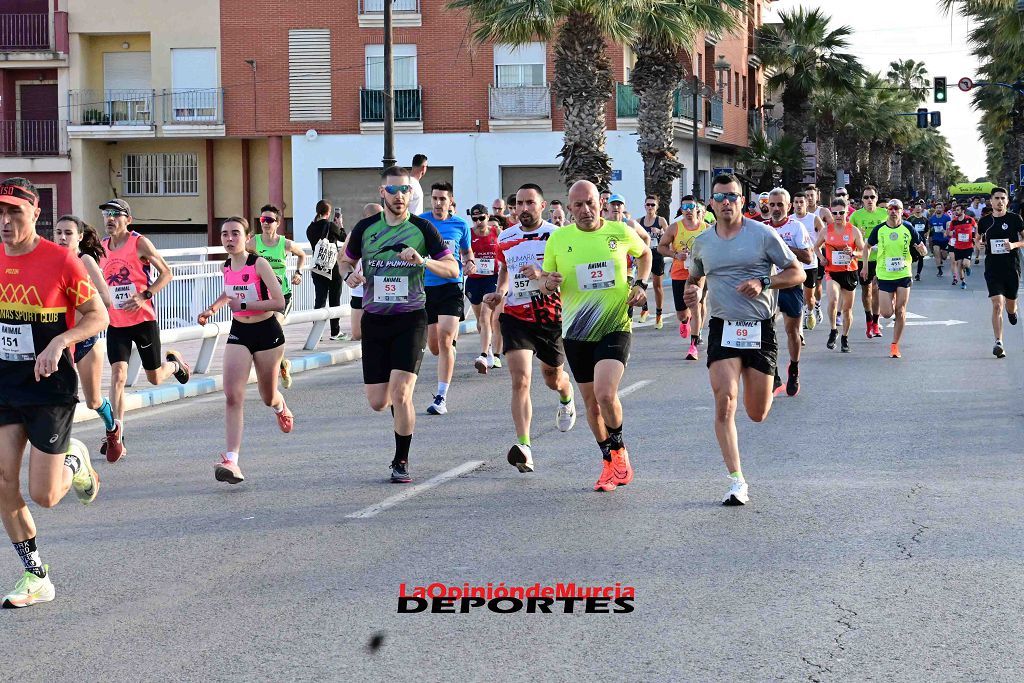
(766, 282)
(641, 284)
(147, 295)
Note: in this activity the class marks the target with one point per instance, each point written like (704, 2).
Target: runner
(962, 232)
(42, 286)
(894, 238)
(394, 323)
(813, 196)
(791, 299)
(416, 173)
(939, 224)
(445, 306)
(1002, 234)
(737, 258)
(253, 292)
(814, 225)
(126, 268)
(677, 243)
(275, 249)
(483, 282)
(531, 322)
(80, 238)
(921, 225)
(557, 214)
(587, 261)
(844, 245)
(616, 213)
(655, 226)
(866, 219)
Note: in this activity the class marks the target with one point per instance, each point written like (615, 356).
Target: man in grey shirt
(738, 256)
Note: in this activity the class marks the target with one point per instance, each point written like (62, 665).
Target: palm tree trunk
(583, 84)
(878, 165)
(827, 159)
(796, 123)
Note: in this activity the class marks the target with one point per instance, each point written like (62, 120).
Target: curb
(208, 384)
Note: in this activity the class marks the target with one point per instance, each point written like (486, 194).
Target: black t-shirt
(1009, 227)
(316, 231)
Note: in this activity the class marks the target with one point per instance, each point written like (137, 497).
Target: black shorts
(846, 279)
(890, 286)
(872, 269)
(657, 264)
(83, 348)
(583, 356)
(1002, 282)
(544, 339)
(678, 293)
(791, 301)
(963, 254)
(764, 359)
(48, 426)
(821, 269)
(145, 336)
(262, 336)
(392, 342)
(356, 303)
(810, 278)
(477, 287)
(445, 299)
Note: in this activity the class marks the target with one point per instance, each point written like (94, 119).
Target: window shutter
(309, 74)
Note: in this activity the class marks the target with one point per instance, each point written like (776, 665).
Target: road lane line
(633, 387)
(417, 489)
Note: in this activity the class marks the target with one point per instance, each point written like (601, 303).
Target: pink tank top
(126, 276)
(245, 284)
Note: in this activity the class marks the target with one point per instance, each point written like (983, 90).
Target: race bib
(999, 246)
(485, 266)
(120, 295)
(246, 293)
(741, 334)
(841, 258)
(16, 343)
(390, 289)
(523, 289)
(895, 264)
(963, 237)
(597, 275)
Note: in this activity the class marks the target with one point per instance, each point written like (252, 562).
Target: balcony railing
(193, 106)
(760, 123)
(627, 103)
(23, 32)
(408, 105)
(377, 6)
(520, 102)
(110, 107)
(33, 138)
(716, 113)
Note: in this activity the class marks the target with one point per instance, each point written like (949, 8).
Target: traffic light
(936, 119)
(922, 118)
(940, 89)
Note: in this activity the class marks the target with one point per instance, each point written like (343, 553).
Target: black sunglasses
(479, 217)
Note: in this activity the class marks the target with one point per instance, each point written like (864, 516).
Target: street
(882, 541)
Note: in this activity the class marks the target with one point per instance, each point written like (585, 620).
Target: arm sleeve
(778, 253)
(354, 250)
(467, 236)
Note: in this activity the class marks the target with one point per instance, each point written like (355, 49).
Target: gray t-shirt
(727, 263)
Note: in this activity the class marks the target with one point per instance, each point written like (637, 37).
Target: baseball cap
(20, 192)
(616, 198)
(894, 203)
(117, 205)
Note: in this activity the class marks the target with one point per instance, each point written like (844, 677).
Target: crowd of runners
(556, 282)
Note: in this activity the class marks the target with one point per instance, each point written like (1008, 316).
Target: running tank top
(246, 284)
(277, 257)
(126, 275)
(684, 240)
(837, 240)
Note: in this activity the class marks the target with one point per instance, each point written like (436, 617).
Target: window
(404, 60)
(194, 84)
(516, 67)
(173, 174)
(745, 92)
(736, 84)
(309, 74)
(727, 82)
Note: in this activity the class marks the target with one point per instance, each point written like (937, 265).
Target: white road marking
(633, 387)
(417, 489)
(947, 323)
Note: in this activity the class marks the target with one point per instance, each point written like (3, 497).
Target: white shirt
(808, 223)
(416, 203)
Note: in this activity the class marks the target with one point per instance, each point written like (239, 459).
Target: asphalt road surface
(883, 541)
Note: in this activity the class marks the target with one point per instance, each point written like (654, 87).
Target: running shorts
(764, 359)
(821, 269)
(583, 356)
(962, 254)
(872, 269)
(83, 348)
(657, 264)
(145, 336)
(890, 286)
(1005, 283)
(356, 303)
(48, 426)
(392, 342)
(445, 299)
(678, 292)
(791, 301)
(477, 287)
(262, 336)
(943, 246)
(543, 339)
(811, 278)
(846, 279)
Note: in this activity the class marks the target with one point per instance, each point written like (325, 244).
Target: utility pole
(696, 157)
(389, 91)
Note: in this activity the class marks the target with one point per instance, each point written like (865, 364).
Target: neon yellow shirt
(594, 285)
(866, 221)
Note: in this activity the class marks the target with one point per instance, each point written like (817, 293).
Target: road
(883, 541)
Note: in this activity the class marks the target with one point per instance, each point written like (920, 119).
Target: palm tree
(771, 160)
(911, 75)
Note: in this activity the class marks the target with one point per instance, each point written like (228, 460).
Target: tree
(767, 161)
(910, 75)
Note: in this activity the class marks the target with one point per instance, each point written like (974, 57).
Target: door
(194, 84)
(37, 127)
(44, 226)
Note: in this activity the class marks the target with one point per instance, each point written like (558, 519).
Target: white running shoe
(86, 482)
(817, 313)
(29, 590)
(737, 493)
(565, 418)
(438, 407)
(481, 364)
(521, 457)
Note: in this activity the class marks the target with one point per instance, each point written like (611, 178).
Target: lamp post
(722, 67)
(389, 91)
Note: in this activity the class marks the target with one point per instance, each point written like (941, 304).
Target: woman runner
(843, 246)
(484, 242)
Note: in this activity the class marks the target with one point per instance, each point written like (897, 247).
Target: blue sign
(617, 174)
(725, 170)
(1022, 174)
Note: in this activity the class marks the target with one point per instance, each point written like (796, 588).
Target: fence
(110, 107)
(24, 31)
(33, 138)
(408, 105)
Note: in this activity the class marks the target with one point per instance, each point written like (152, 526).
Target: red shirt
(525, 301)
(485, 248)
(963, 232)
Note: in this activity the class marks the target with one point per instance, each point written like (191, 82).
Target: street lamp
(722, 68)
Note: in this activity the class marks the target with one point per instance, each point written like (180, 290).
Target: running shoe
(811, 321)
(497, 362)
(644, 315)
(227, 471)
(607, 481)
(793, 384)
(955, 281)
(844, 344)
(184, 371)
(521, 457)
(438, 407)
(700, 340)
(481, 364)
(286, 373)
(113, 444)
(778, 387)
(998, 351)
(86, 482)
(400, 472)
(565, 416)
(894, 351)
(341, 336)
(940, 272)
(870, 332)
(967, 271)
(684, 330)
(832, 337)
(29, 590)
(691, 354)
(963, 284)
(1012, 317)
(817, 314)
(917, 278)
(621, 469)
(658, 322)
(803, 342)
(285, 420)
(737, 493)
(877, 330)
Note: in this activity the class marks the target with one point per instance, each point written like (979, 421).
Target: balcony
(24, 32)
(27, 139)
(408, 105)
(763, 124)
(193, 112)
(627, 103)
(715, 113)
(404, 13)
(110, 113)
(520, 108)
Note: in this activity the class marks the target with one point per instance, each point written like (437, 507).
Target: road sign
(724, 170)
(616, 174)
(1021, 181)
(965, 84)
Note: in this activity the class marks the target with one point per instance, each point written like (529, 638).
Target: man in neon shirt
(866, 219)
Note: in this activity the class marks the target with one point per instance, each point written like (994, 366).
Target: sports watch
(147, 295)
(641, 284)
(766, 282)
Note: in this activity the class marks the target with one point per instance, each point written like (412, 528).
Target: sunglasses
(725, 196)
(841, 194)
(479, 217)
(688, 206)
(395, 189)
(650, 206)
(839, 214)
(892, 207)
(870, 196)
(267, 220)
(113, 213)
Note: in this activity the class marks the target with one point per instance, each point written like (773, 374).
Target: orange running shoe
(227, 471)
(285, 420)
(607, 480)
(621, 469)
(894, 351)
